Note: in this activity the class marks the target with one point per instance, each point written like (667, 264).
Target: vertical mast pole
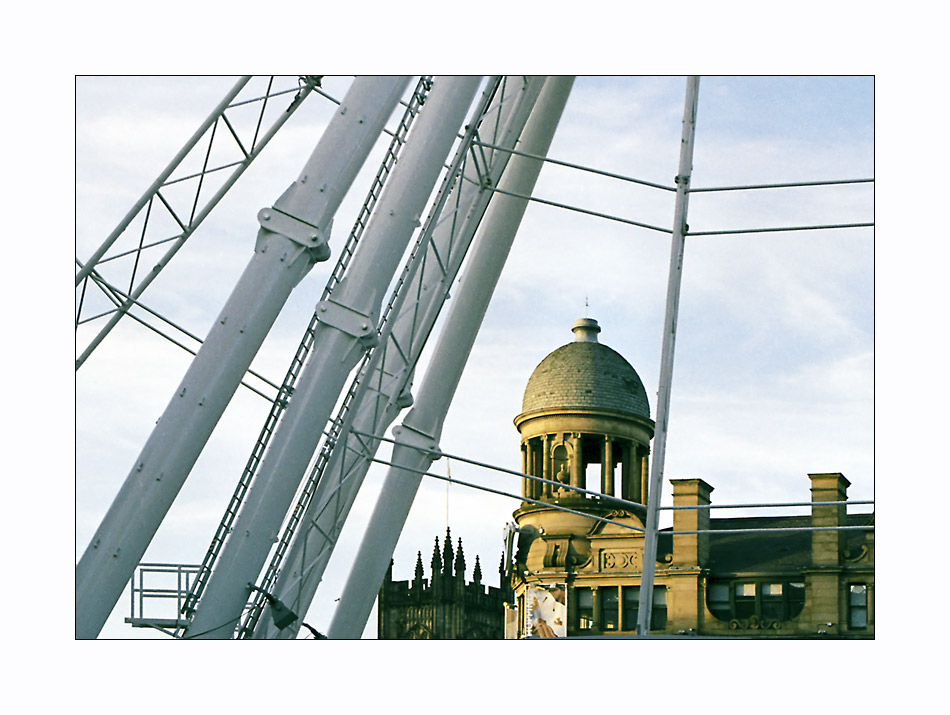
(666, 359)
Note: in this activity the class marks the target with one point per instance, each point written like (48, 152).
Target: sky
(774, 366)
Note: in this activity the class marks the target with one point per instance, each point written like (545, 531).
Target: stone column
(636, 475)
(626, 476)
(526, 486)
(546, 463)
(577, 461)
(595, 603)
(607, 481)
(536, 451)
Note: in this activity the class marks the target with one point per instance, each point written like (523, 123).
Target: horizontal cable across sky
(611, 499)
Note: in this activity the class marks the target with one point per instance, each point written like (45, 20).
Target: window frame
(860, 608)
(626, 616)
(610, 620)
(760, 604)
(585, 611)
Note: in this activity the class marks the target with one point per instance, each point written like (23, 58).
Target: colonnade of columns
(564, 458)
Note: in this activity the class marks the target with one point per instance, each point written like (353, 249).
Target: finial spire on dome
(585, 330)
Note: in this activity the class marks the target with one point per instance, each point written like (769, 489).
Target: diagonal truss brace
(381, 387)
(286, 390)
(187, 217)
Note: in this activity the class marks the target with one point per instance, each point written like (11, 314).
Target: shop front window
(609, 608)
(585, 608)
(631, 608)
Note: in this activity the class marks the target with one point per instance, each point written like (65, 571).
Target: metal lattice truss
(112, 280)
(380, 389)
(279, 405)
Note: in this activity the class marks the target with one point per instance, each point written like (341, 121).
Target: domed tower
(585, 424)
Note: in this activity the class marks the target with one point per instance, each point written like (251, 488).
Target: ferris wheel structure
(457, 161)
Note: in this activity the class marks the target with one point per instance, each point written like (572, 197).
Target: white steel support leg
(292, 237)
(414, 309)
(666, 358)
(346, 329)
(423, 425)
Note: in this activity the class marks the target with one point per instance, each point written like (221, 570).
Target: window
(768, 601)
(585, 608)
(773, 602)
(631, 608)
(618, 609)
(745, 600)
(858, 606)
(717, 598)
(795, 598)
(609, 609)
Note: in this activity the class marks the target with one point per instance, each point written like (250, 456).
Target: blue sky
(775, 357)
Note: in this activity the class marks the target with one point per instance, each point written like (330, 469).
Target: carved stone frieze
(621, 560)
(754, 623)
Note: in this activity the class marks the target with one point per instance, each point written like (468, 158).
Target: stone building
(573, 564)
(585, 425)
(442, 606)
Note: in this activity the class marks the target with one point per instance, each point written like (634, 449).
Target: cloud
(774, 364)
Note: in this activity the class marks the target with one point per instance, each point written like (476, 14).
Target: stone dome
(586, 374)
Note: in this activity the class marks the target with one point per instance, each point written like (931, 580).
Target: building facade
(442, 606)
(574, 557)
(585, 433)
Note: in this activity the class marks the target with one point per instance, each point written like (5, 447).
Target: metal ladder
(374, 369)
(287, 387)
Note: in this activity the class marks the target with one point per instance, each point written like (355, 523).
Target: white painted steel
(278, 264)
(423, 425)
(346, 329)
(678, 245)
(415, 309)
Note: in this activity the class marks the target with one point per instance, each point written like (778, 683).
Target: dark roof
(777, 551)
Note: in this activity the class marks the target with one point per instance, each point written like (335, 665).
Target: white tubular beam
(346, 329)
(423, 425)
(291, 239)
(678, 246)
(415, 309)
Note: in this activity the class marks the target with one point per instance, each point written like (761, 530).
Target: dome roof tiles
(587, 375)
